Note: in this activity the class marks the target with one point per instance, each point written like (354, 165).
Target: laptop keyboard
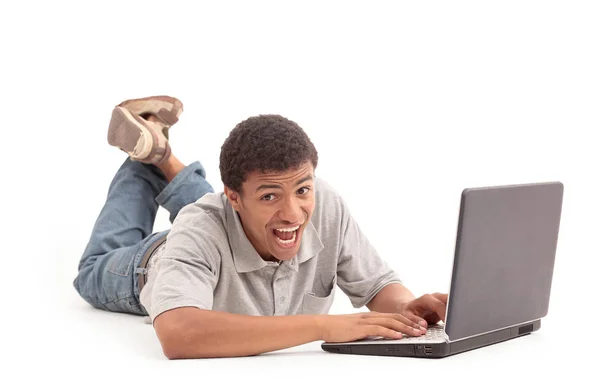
(435, 333)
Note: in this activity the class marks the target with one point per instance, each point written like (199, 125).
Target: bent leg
(125, 223)
(109, 281)
(187, 187)
(110, 265)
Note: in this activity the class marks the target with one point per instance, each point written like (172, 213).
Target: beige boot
(145, 141)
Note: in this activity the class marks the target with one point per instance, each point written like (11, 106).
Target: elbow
(179, 352)
(172, 331)
(173, 341)
(176, 347)
(172, 348)
(181, 338)
(173, 353)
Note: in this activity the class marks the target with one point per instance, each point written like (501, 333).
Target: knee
(82, 286)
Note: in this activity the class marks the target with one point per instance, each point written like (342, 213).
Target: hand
(430, 307)
(352, 327)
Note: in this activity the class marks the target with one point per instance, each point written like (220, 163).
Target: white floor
(78, 343)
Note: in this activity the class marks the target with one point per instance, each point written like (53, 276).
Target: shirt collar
(245, 256)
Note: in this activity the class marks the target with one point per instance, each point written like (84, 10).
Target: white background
(407, 103)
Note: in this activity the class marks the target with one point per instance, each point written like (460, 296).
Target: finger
(429, 302)
(398, 316)
(439, 307)
(404, 318)
(411, 320)
(376, 330)
(396, 325)
(441, 297)
(420, 322)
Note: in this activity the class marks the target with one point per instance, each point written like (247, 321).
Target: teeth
(289, 229)
(289, 241)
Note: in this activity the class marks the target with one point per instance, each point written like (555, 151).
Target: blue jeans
(110, 266)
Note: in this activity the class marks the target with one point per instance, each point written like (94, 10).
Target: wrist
(318, 326)
(401, 304)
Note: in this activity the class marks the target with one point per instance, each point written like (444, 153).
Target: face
(274, 209)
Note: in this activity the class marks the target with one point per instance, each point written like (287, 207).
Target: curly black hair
(264, 143)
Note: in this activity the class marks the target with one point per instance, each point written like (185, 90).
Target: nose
(291, 211)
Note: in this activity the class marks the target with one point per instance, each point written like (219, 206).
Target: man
(246, 271)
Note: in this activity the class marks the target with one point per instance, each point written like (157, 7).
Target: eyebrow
(276, 186)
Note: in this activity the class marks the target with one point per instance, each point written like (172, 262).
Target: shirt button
(281, 299)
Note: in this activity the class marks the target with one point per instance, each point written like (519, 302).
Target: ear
(234, 198)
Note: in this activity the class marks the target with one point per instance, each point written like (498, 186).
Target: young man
(246, 271)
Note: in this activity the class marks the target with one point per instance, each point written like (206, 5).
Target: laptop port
(428, 350)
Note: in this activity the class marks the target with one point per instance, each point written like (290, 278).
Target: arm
(189, 332)
(391, 299)
(395, 298)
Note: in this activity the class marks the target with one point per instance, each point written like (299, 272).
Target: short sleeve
(187, 271)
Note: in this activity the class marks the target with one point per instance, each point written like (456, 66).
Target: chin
(285, 256)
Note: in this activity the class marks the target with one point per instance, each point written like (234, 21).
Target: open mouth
(286, 237)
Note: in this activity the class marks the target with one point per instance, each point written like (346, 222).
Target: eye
(303, 190)
(268, 197)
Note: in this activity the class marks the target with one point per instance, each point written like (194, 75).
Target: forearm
(391, 299)
(195, 333)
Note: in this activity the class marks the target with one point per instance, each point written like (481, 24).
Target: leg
(110, 265)
(122, 234)
(125, 222)
(186, 185)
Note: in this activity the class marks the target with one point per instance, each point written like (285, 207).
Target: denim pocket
(121, 260)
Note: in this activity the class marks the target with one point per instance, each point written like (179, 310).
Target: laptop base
(435, 350)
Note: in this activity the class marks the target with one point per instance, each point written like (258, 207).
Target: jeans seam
(128, 295)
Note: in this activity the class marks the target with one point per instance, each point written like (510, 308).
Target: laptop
(501, 276)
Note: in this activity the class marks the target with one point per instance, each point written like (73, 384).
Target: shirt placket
(281, 289)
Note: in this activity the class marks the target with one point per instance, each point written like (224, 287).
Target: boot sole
(124, 132)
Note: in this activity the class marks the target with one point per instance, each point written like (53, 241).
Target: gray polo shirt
(208, 262)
